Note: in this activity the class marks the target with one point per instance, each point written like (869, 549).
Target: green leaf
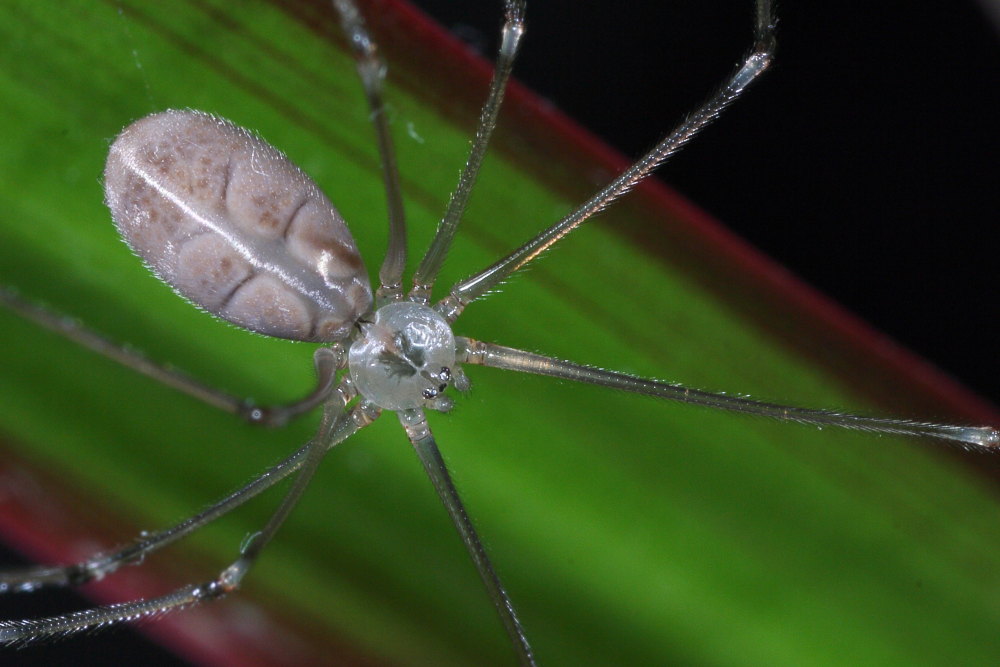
(628, 531)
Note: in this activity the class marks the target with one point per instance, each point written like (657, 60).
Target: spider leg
(418, 431)
(327, 361)
(98, 567)
(336, 427)
(755, 63)
(371, 69)
(511, 34)
(498, 356)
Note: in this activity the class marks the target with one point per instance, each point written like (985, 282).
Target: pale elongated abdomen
(234, 226)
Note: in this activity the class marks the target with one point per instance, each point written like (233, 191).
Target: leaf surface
(628, 531)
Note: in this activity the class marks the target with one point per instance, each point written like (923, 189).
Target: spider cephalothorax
(404, 358)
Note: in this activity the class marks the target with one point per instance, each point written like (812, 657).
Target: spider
(479, 382)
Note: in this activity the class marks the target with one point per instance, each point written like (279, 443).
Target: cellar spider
(481, 383)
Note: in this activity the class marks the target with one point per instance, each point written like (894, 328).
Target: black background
(866, 160)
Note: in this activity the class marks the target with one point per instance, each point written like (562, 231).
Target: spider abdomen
(235, 227)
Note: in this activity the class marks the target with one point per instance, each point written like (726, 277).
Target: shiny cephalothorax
(233, 226)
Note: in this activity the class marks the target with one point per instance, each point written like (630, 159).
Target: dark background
(866, 161)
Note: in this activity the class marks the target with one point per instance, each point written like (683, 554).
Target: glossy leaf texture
(628, 531)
